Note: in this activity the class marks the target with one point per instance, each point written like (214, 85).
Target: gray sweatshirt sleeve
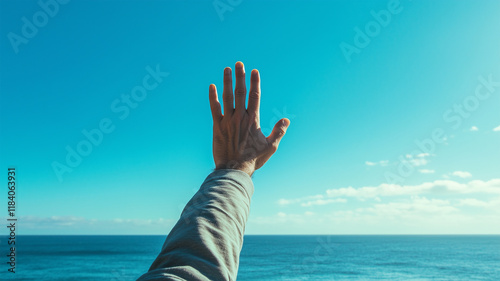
(205, 243)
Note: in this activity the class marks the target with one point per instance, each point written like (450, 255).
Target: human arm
(205, 243)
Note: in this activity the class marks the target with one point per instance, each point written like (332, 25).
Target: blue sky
(352, 161)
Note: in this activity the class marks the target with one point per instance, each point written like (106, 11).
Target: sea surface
(264, 257)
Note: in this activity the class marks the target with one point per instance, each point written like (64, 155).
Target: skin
(238, 142)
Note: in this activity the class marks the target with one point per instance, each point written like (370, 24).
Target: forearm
(205, 243)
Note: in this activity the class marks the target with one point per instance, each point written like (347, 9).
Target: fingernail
(240, 64)
(284, 123)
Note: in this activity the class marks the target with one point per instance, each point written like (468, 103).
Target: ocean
(268, 257)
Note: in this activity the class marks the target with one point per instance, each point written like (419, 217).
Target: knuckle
(237, 118)
(240, 92)
(254, 95)
(274, 147)
(215, 107)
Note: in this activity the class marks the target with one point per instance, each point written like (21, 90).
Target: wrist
(244, 167)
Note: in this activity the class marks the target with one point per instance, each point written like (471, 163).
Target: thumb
(278, 132)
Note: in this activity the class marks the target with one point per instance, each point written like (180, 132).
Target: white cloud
(426, 171)
(323, 202)
(284, 202)
(497, 129)
(462, 174)
(415, 205)
(418, 159)
(403, 215)
(418, 162)
(474, 129)
(390, 190)
(382, 163)
(438, 186)
(472, 202)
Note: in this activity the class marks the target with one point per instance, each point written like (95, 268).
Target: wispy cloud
(414, 215)
(390, 190)
(474, 129)
(497, 129)
(382, 163)
(299, 200)
(438, 186)
(415, 205)
(473, 202)
(323, 202)
(426, 171)
(462, 174)
(418, 159)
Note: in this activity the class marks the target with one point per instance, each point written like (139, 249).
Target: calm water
(267, 257)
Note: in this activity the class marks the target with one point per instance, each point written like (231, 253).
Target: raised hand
(238, 142)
